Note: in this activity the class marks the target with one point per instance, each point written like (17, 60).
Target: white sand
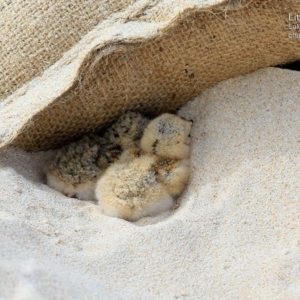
(235, 236)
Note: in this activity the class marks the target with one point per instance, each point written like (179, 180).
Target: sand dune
(235, 236)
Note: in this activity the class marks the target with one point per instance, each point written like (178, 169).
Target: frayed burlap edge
(147, 67)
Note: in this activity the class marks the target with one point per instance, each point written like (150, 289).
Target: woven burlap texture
(70, 76)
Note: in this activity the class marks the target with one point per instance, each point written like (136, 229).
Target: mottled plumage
(127, 130)
(77, 166)
(173, 174)
(168, 136)
(129, 190)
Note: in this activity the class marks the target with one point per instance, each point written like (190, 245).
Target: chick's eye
(189, 135)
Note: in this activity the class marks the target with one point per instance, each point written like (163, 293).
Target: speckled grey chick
(127, 130)
(77, 166)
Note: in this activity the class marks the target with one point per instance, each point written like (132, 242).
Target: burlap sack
(69, 68)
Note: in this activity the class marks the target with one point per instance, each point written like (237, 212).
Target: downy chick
(127, 130)
(168, 136)
(77, 166)
(129, 189)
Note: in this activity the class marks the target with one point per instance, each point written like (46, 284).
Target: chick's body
(77, 166)
(130, 190)
(173, 174)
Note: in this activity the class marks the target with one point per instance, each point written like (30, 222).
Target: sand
(235, 236)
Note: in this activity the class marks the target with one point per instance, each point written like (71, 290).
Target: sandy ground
(235, 236)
